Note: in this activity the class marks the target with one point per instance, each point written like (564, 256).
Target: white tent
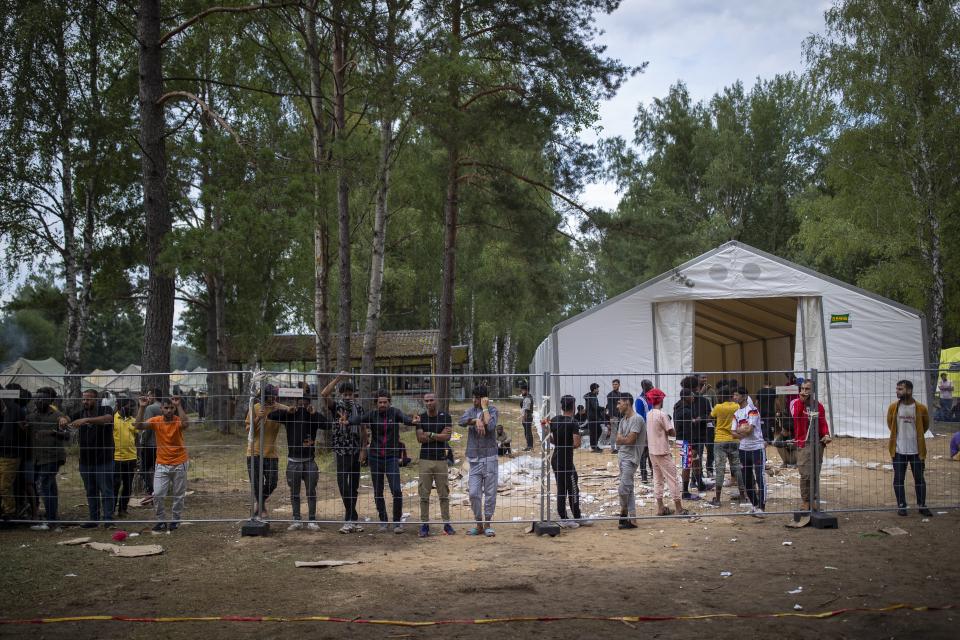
(98, 379)
(737, 308)
(34, 374)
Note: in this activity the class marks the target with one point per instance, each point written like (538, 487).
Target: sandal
(474, 531)
(683, 512)
(489, 532)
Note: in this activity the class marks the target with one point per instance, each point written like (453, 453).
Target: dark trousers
(148, 465)
(46, 480)
(348, 481)
(567, 491)
(268, 482)
(380, 467)
(528, 431)
(645, 464)
(123, 472)
(307, 474)
(98, 485)
(900, 463)
(595, 429)
(751, 466)
(711, 431)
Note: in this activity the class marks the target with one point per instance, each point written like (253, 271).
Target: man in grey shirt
(481, 420)
(630, 442)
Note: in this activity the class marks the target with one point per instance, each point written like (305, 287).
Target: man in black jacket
(384, 425)
(613, 415)
(594, 415)
(683, 413)
(301, 423)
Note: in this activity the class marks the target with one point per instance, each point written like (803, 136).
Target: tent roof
(48, 367)
(676, 272)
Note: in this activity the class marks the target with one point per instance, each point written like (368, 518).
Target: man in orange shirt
(172, 459)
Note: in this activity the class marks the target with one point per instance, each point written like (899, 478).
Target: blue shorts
(688, 451)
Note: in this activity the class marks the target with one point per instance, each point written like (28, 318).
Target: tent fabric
(674, 326)
(34, 374)
(879, 340)
(811, 352)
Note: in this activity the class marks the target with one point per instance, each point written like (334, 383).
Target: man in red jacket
(800, 411)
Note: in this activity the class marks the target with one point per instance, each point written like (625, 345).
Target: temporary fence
(85, 460)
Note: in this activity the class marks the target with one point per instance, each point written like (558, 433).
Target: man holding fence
(807, 464)
(433, 433)
(481, 423)
(263, 467)
(907, 421)
(172, 458)
(95, 425)
(301, 423)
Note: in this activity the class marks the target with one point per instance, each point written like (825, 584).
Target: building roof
(390, 344)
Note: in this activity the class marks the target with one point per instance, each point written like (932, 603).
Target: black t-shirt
(768, 402)
(612, 398)
(96, 440)
(434, 449)
(14, 441)
(592, 404)
(683, 421)
(563, 429)
(300, 425)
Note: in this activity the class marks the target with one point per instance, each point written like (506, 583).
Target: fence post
(545, 526)
(818, 518)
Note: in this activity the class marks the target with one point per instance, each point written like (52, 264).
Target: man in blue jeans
(46, 429)
(384, 428)
(908, 421)
(95, 426)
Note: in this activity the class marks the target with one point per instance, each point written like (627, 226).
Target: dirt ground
(667, 567)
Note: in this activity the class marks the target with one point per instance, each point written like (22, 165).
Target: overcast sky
(709, 44)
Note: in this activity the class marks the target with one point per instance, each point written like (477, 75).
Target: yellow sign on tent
(950, 363)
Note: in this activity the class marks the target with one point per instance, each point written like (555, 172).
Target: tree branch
(203, 105)
(183, 26)
(504, 87)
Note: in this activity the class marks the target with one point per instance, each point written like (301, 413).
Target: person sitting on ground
(659, 432)
(503, 442)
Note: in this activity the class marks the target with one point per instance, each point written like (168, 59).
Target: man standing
(800, 410)
(908, 421)
(687, 442)
(384, 425)
(642, 406)
(613, 417)
(526, 415)
(946, 396)
(748, 430)
(767, 397)
(659, 431)
(172, 458)
(565, 433)
(125, 454)
(725, 448)
(46, 426)
(631, 441)
(263, 467)
(349, 440)
(95, 425)
(147, 452)
(301, 423)
(433, 433)
(591, 401)
(12, 436)
(481, 422)
(709, 400)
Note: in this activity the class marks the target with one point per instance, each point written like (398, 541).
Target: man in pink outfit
(659, 429)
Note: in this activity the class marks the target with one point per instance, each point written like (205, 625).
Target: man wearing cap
(659, 432)
(263, 484)
(481, 423)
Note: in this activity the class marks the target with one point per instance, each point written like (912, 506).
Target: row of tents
(34, 374)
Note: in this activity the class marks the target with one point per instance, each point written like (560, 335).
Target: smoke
(14, 342)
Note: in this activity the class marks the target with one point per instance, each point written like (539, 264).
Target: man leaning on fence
(433, 433)
(172, 458)
(95, 425)
(908, 420)
(301, 422)
(263, 467)
(800, 412)
(481, 423)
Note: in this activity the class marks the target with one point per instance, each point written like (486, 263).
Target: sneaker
(346, 528)
(43, 526)
(626, 524)
(357, 527)
(449, 530)
(527, 449)
(612, 450)
(596, 449)
(570, 524)
(160, 527)
(173, 526)
(89, 525)
(489, 532)
(686, 495)
(585, 522)
(382, 527)
(398, 528)
(758, 513)
(902, 511)
(313, 526)
(296, 526)
(424, 531)
(715, 502)
(926, 512)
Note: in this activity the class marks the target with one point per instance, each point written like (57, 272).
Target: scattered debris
(893, 531)
(70, 575)
(794, 592)
(73, 541)
(135, 551)
(323, 563)
(797, 607)
(787, 543)
(725, 574)
(828, 567)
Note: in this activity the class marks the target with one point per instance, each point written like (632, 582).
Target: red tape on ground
(432, 623)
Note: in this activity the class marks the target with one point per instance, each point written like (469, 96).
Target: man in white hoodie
(748, 430)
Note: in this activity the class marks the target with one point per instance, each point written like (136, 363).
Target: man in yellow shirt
(124, 453)
(263, 484)
(725, 446)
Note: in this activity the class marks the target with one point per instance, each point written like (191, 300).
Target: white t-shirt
(749, 415)
(907, 429)
(946, 390)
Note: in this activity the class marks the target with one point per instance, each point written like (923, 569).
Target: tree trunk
(343, 188)
(158, 329)
(377, 258)
(451, 210)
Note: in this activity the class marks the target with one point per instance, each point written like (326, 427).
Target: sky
(707, 44)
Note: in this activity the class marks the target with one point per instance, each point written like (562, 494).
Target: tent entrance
(755, 334)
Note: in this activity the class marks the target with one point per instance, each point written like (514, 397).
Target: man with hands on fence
(301, 422)
(800, 411)
(172, 458)
(434, 430)
(481, 421)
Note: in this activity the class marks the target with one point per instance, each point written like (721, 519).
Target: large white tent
(737, 308)
(34, 374)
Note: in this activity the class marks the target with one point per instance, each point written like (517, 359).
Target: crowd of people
(688, 452)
